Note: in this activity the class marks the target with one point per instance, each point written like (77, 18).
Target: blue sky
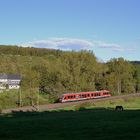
(111, 28)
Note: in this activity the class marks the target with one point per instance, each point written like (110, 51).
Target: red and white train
(84, 95)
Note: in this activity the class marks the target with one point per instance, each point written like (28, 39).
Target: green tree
(120, 76)
(137, 77)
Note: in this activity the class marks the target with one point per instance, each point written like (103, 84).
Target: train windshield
(62, 97)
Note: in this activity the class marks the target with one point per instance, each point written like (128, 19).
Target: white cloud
(76, 44)
(62, 43)
(119, 49)
(108, 45)
(105, 45)
(114, 47)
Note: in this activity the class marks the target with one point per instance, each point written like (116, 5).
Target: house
(9, 81)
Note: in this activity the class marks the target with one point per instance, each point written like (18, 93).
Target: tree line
(54, 72)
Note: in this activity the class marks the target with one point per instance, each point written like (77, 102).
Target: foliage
(119, 77)
(54, 72)
(137, 77)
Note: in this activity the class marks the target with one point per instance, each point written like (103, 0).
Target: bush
(83, 106)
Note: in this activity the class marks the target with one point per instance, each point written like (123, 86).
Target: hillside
(27, 51)
(54, 72)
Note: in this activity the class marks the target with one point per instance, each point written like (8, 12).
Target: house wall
(14, 86)
(16, 82)
(2, 87)
(3, 80)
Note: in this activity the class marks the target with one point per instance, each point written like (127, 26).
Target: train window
(92, 94)
(97, 94)
(88, 95)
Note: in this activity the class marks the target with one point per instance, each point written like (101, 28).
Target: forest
(54, 72)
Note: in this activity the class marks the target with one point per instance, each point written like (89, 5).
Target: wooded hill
(56, 72)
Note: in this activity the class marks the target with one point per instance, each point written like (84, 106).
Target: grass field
(91, 124)
(128, 103)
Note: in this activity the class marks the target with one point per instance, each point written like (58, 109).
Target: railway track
(68, 104)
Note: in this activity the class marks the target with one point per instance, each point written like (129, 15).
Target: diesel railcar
(68, 97)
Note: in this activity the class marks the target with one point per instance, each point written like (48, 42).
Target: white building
(9, 81)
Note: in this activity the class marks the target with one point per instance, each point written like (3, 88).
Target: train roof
(86, 92)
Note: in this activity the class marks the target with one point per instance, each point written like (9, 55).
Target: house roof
(10, 76)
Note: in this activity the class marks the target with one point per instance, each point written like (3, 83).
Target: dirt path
(62, 105)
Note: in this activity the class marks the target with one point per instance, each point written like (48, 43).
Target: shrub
(83, 106)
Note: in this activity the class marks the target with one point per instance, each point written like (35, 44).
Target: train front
(61, 99)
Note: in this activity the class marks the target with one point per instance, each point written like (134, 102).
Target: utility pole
(30, 96)
(19, 102)
(38, 100)
(20, 98)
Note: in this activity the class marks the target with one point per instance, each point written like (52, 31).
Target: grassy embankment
(129, 103)
(9, 99)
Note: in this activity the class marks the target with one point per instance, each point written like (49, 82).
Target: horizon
(109, 28)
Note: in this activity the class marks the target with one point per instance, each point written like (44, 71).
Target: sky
(110, 28)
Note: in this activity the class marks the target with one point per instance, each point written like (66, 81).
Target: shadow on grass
(82, 124)
(54, 112)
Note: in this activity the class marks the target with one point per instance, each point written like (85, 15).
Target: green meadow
(84, 121)
(128, 103)
(88, 124)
